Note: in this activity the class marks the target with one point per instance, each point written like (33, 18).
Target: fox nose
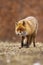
(18, 34)
(20, 31)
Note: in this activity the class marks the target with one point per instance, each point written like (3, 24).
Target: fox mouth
(22, 33)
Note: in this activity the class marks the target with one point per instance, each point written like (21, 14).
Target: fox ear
(23, 22)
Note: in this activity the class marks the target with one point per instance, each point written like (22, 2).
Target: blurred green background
(12, 11)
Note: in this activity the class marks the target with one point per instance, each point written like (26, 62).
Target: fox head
(20, 28)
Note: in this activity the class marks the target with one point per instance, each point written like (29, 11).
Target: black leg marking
(30, 39)
(34, 41)
(34, 44)
(27, 44)
(22, 41)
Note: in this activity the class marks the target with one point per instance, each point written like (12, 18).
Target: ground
(10, 54)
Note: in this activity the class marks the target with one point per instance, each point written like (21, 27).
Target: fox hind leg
(34, 40)
(30, 39)
(28, 42)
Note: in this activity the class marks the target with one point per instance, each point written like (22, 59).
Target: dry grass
(10, 54)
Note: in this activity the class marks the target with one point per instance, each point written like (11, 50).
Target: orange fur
(27, 28)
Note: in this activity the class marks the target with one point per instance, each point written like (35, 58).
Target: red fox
(27, 28)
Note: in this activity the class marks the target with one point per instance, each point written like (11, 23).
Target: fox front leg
(22, 41)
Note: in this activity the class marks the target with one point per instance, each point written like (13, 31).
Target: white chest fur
(25, 40)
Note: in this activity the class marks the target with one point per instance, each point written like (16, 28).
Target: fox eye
(23, 22)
